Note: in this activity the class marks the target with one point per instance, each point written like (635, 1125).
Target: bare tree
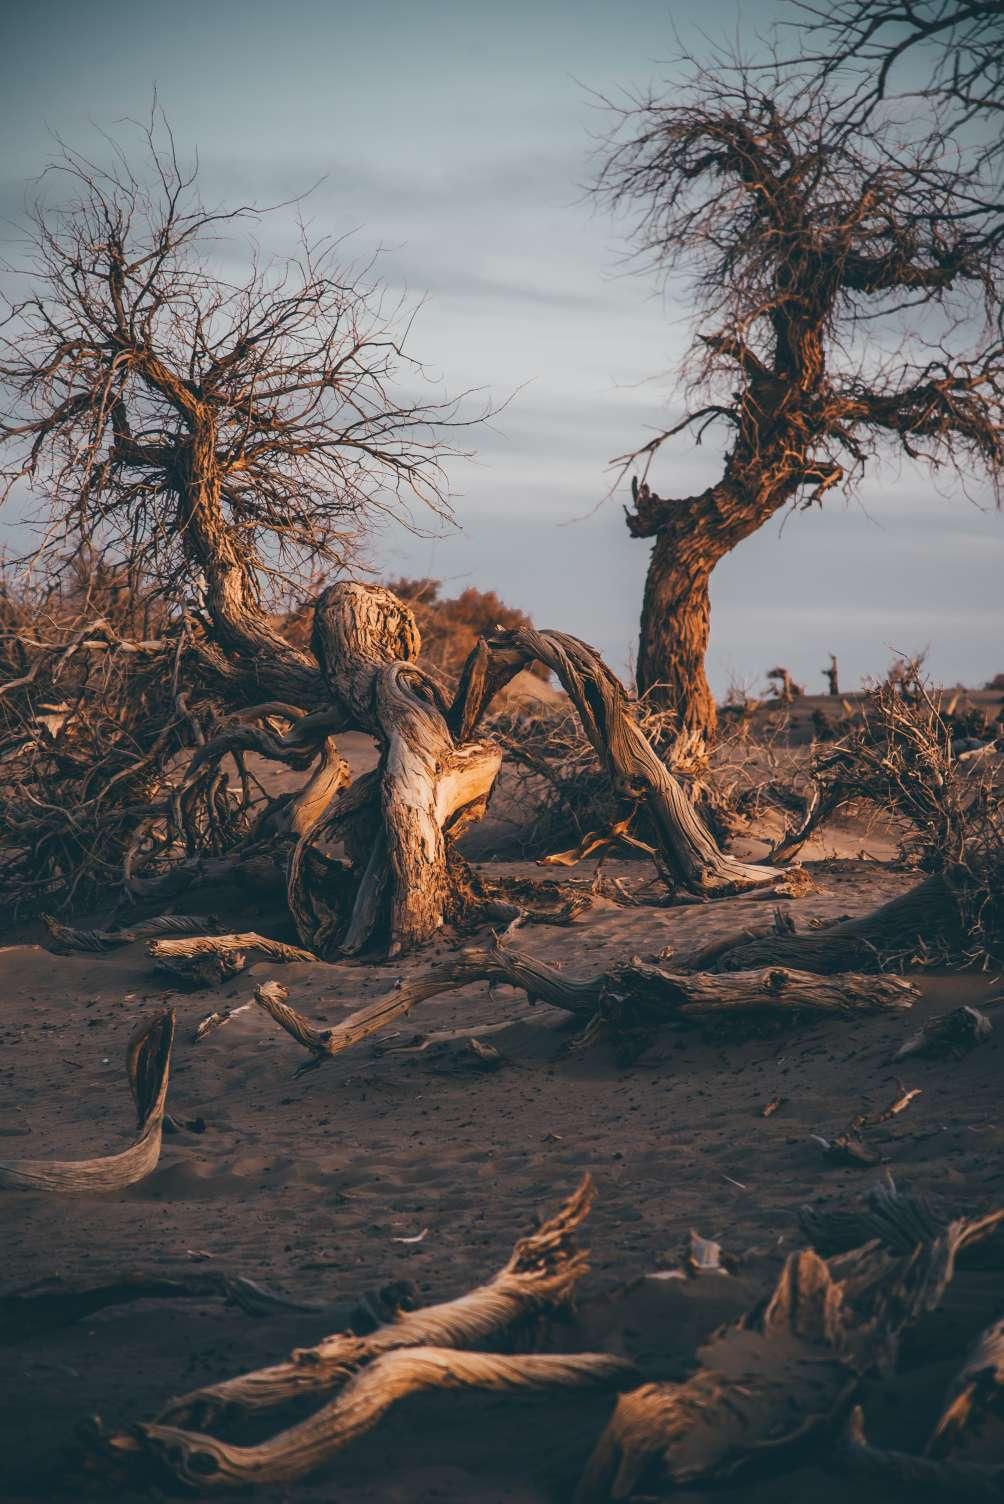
(810, 242)
(216, 437)
(948, 51)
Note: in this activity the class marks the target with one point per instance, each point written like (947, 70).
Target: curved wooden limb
(784, 1371)
(148, 1064)
(540, 1275)
(688, 853)
(766, 1383)
(206, 1463)
(632, 994)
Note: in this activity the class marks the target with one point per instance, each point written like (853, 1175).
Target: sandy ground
(307, 1184)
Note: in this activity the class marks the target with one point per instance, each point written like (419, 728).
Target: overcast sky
(456, 134)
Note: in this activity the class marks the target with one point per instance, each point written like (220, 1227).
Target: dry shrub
(909, 756)
(93, 714)
(450, 628)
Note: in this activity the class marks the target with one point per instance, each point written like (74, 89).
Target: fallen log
(148, 1064)
(540, 1275)
(146, 929)
(184, 948)
(205, 1463)
(782, 1374)
(634, 995)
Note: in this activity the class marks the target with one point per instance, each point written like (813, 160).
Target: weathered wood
(49, 1304)
(148, 1064)
(634, 993)
(783, 1373)
(103, 940)
(540, 1275)
(207, 1463)
(215, 945)
(896, 932)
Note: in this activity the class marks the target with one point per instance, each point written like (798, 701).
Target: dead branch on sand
(635, 995)
(148, 1064)
(540, 1276)
(784, 1373)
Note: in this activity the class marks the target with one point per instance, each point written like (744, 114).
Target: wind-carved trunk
(372, 863)
(673, 639)
(691, 536)
(255, 651)
(429, 788)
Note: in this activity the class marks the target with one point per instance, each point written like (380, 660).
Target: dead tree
(831, 676)
(949, 53)
(785, 688)
(794, 225)
(218, 439)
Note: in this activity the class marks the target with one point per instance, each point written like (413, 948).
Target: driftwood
(148, 1063)
(49, 1304)
(633, 995)
(210, 969)
(415, 1353)
(541, 1275)
(205, 1462)
(102, 940)
(214, 945)
(952, 1034)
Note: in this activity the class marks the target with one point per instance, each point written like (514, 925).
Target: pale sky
(456, 134)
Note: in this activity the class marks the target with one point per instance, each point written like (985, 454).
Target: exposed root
(102, 940)
(148, 1063)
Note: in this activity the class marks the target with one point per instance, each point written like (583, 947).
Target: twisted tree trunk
(394, 880)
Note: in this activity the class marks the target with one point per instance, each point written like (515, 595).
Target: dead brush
(564, 794)
(901, 758)
(92, 722)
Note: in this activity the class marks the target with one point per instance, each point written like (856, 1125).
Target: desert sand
(405, 1159)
